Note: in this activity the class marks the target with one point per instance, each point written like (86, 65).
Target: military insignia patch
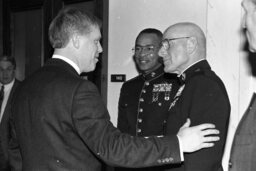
(176, 97)
(164, 88)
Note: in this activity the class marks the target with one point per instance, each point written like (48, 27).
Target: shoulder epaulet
(207, 73)
(197, 72)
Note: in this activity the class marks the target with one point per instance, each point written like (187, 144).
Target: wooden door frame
(50, 8)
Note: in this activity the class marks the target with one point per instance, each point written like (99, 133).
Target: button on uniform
(170, 159)
(230, 164)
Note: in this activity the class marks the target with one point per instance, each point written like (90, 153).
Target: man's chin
(252, 48)
(252, 43)
(168, 70)
(143, 68)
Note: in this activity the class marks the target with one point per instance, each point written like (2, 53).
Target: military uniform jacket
(203, 99)
(61, 124)
(143, 106)
(144, 102)
(243, 151)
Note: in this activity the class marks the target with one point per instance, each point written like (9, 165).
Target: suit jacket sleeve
(14, 154)
(15, 159)
(205, 101)
(92, 123)
(242, 156)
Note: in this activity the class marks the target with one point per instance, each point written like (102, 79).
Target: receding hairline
(185, 29)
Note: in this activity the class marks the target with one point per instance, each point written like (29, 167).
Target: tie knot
(2, 88)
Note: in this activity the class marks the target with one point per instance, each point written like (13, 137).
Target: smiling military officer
(145, 100)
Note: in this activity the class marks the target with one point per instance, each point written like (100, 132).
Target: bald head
(190, 30)
(183, 44)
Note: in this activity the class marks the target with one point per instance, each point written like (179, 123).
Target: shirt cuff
(181, 149)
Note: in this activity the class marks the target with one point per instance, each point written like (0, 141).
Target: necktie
(1, 96)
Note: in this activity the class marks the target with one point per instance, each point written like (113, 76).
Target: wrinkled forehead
(95, 32)
(174, 32)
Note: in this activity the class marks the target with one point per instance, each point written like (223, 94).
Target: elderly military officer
(202, 97)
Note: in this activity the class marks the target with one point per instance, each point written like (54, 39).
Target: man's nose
(100, 49)
(144, 51)
(161, 52)
(243, 22)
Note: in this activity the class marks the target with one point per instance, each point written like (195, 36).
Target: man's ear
(75, 40)
(191, 44)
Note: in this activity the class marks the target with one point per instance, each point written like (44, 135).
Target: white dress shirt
(73, 64)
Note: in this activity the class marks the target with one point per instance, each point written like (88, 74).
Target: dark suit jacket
(62, 124)
(203, 100)
(5, 130)
(243, 151)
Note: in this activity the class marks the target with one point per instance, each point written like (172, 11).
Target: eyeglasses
(148, 49)
(166, 42)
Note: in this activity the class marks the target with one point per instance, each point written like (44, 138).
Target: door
(26, 33)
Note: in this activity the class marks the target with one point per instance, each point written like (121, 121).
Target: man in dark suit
(243, 149)
(60, 122)
(202, 96)
(8, 85)
(144, 100)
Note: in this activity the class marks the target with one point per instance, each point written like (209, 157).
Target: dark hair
(158, 33)
(8, 59)
(69, 21)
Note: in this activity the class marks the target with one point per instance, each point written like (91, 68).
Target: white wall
(127, 18)
(229, 60)
(221, 21)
